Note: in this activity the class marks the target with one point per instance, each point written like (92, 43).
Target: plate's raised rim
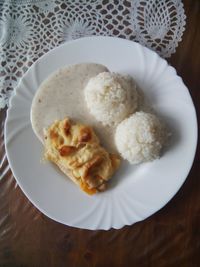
(49, 54)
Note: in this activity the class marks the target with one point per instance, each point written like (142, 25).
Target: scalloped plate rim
(11, 107)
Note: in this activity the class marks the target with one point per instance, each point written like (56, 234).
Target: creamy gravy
(61, 95)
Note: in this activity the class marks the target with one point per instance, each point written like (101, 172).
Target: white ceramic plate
(136, 191)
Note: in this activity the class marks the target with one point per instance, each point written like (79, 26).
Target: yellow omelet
(76, 150)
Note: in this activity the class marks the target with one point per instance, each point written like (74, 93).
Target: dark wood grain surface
(171, 237)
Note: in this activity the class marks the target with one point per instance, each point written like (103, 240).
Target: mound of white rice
(140, 137)
(111, 97)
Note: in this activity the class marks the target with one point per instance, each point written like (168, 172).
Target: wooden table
(171, 237)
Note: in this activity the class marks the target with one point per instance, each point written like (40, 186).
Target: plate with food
(100, 133)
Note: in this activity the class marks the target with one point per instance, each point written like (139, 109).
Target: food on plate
(89, 93)
(75, 149)
(140, 137)
(61, 95)
(111, 97)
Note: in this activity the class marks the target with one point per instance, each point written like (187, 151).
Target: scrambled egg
(76, 150)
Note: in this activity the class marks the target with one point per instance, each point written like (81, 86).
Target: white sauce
(61, 95)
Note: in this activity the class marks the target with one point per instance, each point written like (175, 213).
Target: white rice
(140, 137)
(111, 97)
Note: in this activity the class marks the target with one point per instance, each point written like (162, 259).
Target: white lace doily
(30, 28)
